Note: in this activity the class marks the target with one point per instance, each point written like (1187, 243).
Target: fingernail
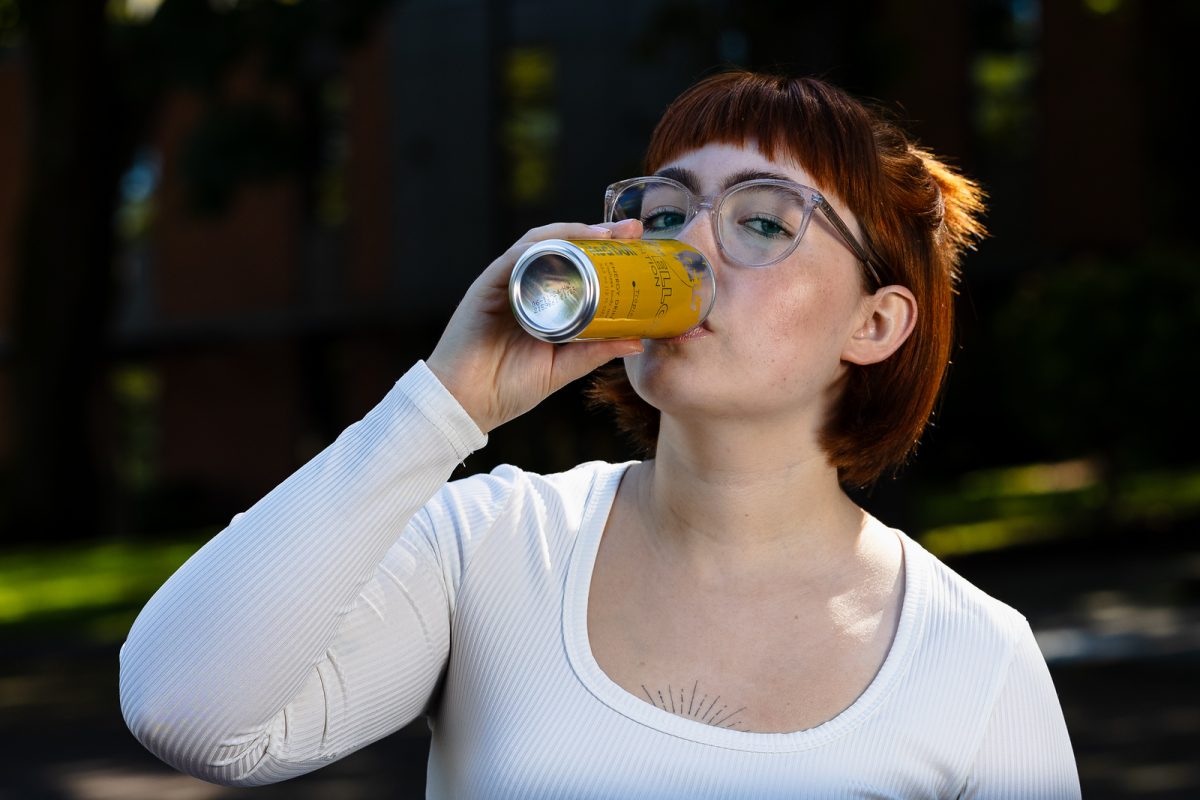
(601, 230)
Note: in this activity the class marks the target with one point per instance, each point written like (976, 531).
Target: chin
(673, 387)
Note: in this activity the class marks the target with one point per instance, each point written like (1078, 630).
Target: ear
(885, 322)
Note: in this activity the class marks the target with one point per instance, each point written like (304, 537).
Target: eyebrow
(692, 181)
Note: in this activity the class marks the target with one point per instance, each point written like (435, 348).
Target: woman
(718, 621)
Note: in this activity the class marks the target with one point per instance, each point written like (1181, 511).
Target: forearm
(247, 624)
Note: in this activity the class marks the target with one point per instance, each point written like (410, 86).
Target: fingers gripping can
(611, 289)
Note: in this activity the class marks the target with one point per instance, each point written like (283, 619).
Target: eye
(661, 219)
(767, 226)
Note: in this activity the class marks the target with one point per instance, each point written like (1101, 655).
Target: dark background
(227, 227)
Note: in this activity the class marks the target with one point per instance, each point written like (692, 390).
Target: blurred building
(243, 343)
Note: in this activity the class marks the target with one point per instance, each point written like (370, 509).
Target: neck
(730, 496)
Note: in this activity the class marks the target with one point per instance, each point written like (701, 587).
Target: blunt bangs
(798, 119)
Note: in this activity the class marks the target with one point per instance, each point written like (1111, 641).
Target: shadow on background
(227, 227)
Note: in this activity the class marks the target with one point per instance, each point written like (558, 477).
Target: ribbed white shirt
(324, 618)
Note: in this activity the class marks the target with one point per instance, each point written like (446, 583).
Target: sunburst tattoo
(702, 710)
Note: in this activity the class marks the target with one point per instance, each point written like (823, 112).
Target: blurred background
(228, 226)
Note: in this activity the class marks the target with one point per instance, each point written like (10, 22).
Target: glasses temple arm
(859, 250)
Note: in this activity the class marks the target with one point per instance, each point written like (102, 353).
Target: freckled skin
(778, 331)
(732, 562)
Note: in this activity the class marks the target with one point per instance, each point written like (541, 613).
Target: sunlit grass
(1031, 479)
(1158, 496)
(1000, 508)
(94, 590)
(976, 537)
(132, 12)
(94, 587)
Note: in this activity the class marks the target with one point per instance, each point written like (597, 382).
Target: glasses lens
(662, 208)
(759, 224)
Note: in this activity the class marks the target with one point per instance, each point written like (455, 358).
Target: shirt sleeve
(1025, 752)
(318, 621)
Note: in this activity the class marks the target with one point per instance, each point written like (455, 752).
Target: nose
(700, 234)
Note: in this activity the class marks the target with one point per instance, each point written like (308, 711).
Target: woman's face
(773, 345)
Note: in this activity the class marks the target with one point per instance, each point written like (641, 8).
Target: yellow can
(611, 289)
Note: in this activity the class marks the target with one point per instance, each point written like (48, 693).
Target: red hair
(915, 212)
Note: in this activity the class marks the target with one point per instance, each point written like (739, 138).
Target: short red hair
(916, 213)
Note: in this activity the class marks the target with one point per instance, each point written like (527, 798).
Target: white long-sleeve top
(324, 618)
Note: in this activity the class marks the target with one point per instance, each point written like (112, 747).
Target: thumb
(573, 361)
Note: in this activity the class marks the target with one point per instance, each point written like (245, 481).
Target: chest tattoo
(695, 705)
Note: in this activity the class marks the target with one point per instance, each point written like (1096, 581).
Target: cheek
(776, 344)
(793, 330)
(793, 346)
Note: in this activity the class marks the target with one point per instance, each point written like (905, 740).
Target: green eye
(663, 220)
(768, 228)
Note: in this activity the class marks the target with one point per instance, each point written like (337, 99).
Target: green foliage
(194, 42)
(93, 589)
(1094, 354)
(1005, 112)
(98, 77)
(11, 26)
(195, 45)
(1002, 507)
(233, 145)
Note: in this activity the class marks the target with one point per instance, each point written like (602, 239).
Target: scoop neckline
(577, 589)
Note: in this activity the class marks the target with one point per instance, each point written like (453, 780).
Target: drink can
(588, 289)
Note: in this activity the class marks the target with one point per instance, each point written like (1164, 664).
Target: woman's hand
(489, 363)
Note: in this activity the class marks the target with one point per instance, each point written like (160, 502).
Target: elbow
(189, 737)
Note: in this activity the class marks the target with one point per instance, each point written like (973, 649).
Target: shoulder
(511, 519)
(954, 598)
(978, 691)
(466, 512)
(490, 494)
(964, 637)
(955, 647)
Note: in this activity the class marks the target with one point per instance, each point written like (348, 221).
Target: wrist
(461, 392)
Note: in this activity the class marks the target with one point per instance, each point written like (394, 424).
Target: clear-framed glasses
(756, 223)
